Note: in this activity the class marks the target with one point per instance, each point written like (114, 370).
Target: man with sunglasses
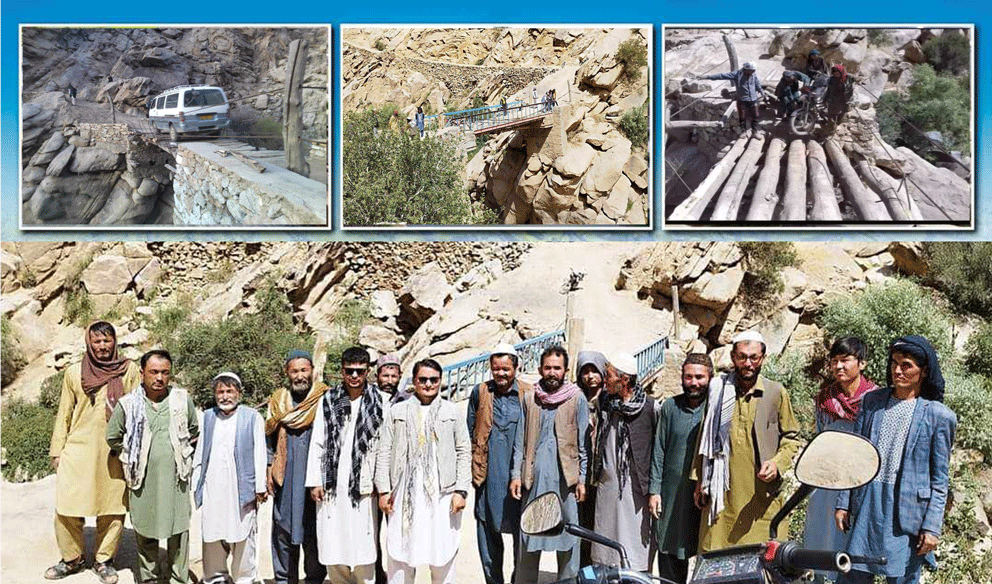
(423, 474)
(341, 470)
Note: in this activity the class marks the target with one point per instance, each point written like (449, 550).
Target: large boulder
(94, 159)
(424, 294)
(107, 274)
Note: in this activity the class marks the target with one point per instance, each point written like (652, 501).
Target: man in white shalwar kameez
(423, 475)
(341, 472)
(229, 480)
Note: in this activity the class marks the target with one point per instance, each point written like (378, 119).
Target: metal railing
(461, 377)
(651, 358)
(481, 118)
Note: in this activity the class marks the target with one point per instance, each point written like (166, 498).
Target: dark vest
(244, 453)
(642, 429)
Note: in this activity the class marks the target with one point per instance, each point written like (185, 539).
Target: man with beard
(387, 376)
(288, 427)
(621, 465)
(494, 409)
(671, 503)
(550, 455)
(748, 439)
(89, 480)
(341, 472)
(153, 429)
(229, 484)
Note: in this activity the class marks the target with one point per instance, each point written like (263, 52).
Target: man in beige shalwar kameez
(90, 481)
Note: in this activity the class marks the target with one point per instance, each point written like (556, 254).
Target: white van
(190, 108)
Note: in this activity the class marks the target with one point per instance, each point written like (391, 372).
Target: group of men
(673, 478)
(836, 91)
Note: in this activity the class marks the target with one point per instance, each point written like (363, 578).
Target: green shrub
(266, 132)
(963, 271)
(634, 125)
(395, 177)
(78, 309)
(764, 262)
(251, 344)
(11, 357)
(956, 551)
(26, 433)
(634, 55)
(27, 277)
(167, 321)
(878, 37)
(970, 397)
(933, 102)
(801, 378)
(949, 52)
(884, 312)
(51, 391)
(978, 351)
(380, 45)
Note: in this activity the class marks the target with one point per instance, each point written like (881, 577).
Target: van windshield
(203, 97)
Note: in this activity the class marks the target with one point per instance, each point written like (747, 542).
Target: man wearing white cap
(229, 484)
(747, 441)
(621, 464)
(494, 410)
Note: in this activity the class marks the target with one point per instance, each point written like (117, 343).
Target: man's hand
(55, 462)
(654, 506)
(270, 483)
(457, 503)
(385, 504)
(768, 471)
(261, 497)
(317, 494)
(842, 519)
(926, 543)
(515, 489)
(580, 492)
(701, 498)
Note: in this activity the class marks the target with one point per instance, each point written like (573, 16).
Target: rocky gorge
(577, 167)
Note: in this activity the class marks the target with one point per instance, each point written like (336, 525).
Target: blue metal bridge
(490, 119)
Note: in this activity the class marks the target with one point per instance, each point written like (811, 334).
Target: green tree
(12, 357)
(963, 271)
(634, 125)
(633, 54)
(949, 52)
(392, 176)
(933, 102)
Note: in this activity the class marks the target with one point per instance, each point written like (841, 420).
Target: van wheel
(173, 134)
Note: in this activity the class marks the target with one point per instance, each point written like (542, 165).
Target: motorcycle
(811, 106)
(833, 460)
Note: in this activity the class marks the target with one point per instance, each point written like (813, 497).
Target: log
(729, 203)
(901, 190)
(794, 201)
(731, 53)
(692, 208)
(692, 124)
(825, 207)
(766, 191)
(725, 118)
(853, 187)
(898, 208)
(296, 64)
(243, 158)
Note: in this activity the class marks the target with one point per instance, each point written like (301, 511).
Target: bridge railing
(486, 117)
(651, 358)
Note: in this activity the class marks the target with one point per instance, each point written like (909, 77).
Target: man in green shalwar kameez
(671, 501)
(153, 430)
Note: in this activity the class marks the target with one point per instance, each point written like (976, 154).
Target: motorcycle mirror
(542, 515)
(838, 461)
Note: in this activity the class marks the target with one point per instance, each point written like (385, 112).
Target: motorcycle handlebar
(880, 561)
(793, 556)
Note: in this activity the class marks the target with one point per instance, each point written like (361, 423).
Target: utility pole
(574, 327)
(292, 108)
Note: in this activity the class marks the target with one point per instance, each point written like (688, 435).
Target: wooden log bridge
(759, 179)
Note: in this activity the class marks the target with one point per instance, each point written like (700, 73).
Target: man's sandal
(106, 572)
(64, 568)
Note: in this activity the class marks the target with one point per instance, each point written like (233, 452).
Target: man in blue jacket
(749, 93)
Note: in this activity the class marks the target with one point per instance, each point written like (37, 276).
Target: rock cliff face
(576, 167)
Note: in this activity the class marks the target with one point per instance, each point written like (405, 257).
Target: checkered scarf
(337, 408)
(609, 404)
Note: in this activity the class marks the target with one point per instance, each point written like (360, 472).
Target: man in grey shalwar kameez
(621, 465)
(550, 455)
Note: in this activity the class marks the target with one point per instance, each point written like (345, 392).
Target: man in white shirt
(340, 472)
(229, 479)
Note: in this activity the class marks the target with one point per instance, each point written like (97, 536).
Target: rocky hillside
(881, 61)
(589, 173)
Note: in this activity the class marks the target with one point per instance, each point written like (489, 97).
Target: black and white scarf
(628, 410)
(337, 408)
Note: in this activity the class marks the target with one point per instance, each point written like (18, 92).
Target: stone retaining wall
(215, 190)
